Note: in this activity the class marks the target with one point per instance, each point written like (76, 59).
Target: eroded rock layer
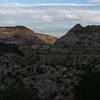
(53, 69)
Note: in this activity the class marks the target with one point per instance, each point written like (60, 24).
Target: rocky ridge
(56, 70)
(22, 30)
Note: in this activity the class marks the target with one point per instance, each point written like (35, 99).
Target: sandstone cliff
(22, 30)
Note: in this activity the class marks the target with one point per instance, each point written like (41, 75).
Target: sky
(54, 17)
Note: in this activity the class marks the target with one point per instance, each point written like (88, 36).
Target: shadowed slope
(9, 48)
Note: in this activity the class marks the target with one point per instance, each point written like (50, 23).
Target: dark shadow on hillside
(10, 48)
(88, 87)
(18, 91)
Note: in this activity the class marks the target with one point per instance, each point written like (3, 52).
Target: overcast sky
(53, 17)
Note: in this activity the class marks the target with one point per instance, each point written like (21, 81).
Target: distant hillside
(16, 30)
(22, 30)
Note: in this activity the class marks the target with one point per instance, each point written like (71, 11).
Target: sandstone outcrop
(22, 30)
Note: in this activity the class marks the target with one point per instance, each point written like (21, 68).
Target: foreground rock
(55, 69)
(70, 58)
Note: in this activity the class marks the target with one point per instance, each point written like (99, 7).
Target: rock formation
(47, 38)
(22, 30)
(71, 57)
(9, 48)
(53, 69)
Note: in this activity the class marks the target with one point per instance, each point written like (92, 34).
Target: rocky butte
(55, 70)
(22, 30)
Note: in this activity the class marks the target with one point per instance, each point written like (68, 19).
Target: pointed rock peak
(77, 27)
(89, 28)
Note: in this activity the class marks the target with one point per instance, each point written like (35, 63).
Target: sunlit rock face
(19, 35)
(22, 31)
(16, 30)
(31, 45)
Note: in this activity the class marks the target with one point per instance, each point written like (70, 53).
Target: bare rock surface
(24, 31)
(53, 69)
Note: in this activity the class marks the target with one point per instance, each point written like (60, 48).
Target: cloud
(94, 0)
(7, 1)
(49, 18)
(3, 0)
